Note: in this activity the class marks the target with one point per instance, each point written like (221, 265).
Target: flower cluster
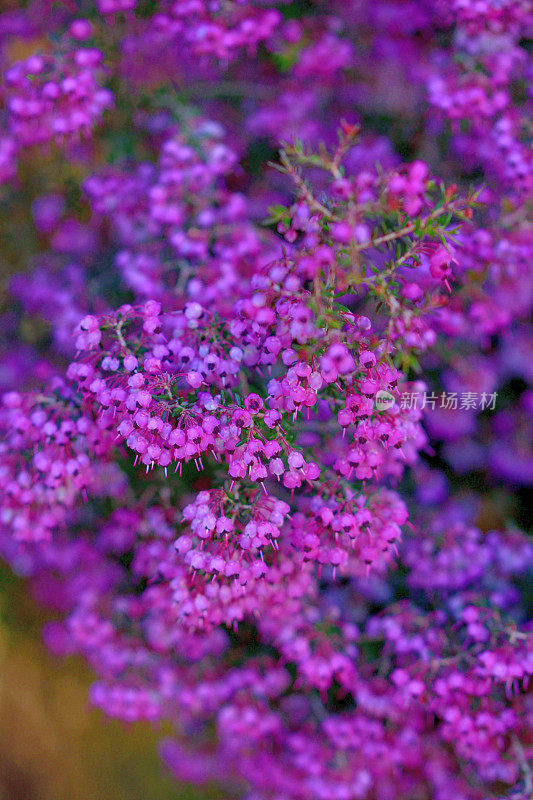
(55, 97)
(209, 467)
(210, 29)
(45, 461)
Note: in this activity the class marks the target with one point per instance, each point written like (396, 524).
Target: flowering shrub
(233, 461)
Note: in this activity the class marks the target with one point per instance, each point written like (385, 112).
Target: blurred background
(53, 744)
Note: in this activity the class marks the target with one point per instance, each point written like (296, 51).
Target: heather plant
(270, 334)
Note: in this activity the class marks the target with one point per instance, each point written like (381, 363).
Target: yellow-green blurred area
(53, 744)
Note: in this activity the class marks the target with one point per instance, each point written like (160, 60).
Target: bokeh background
(53, 744)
